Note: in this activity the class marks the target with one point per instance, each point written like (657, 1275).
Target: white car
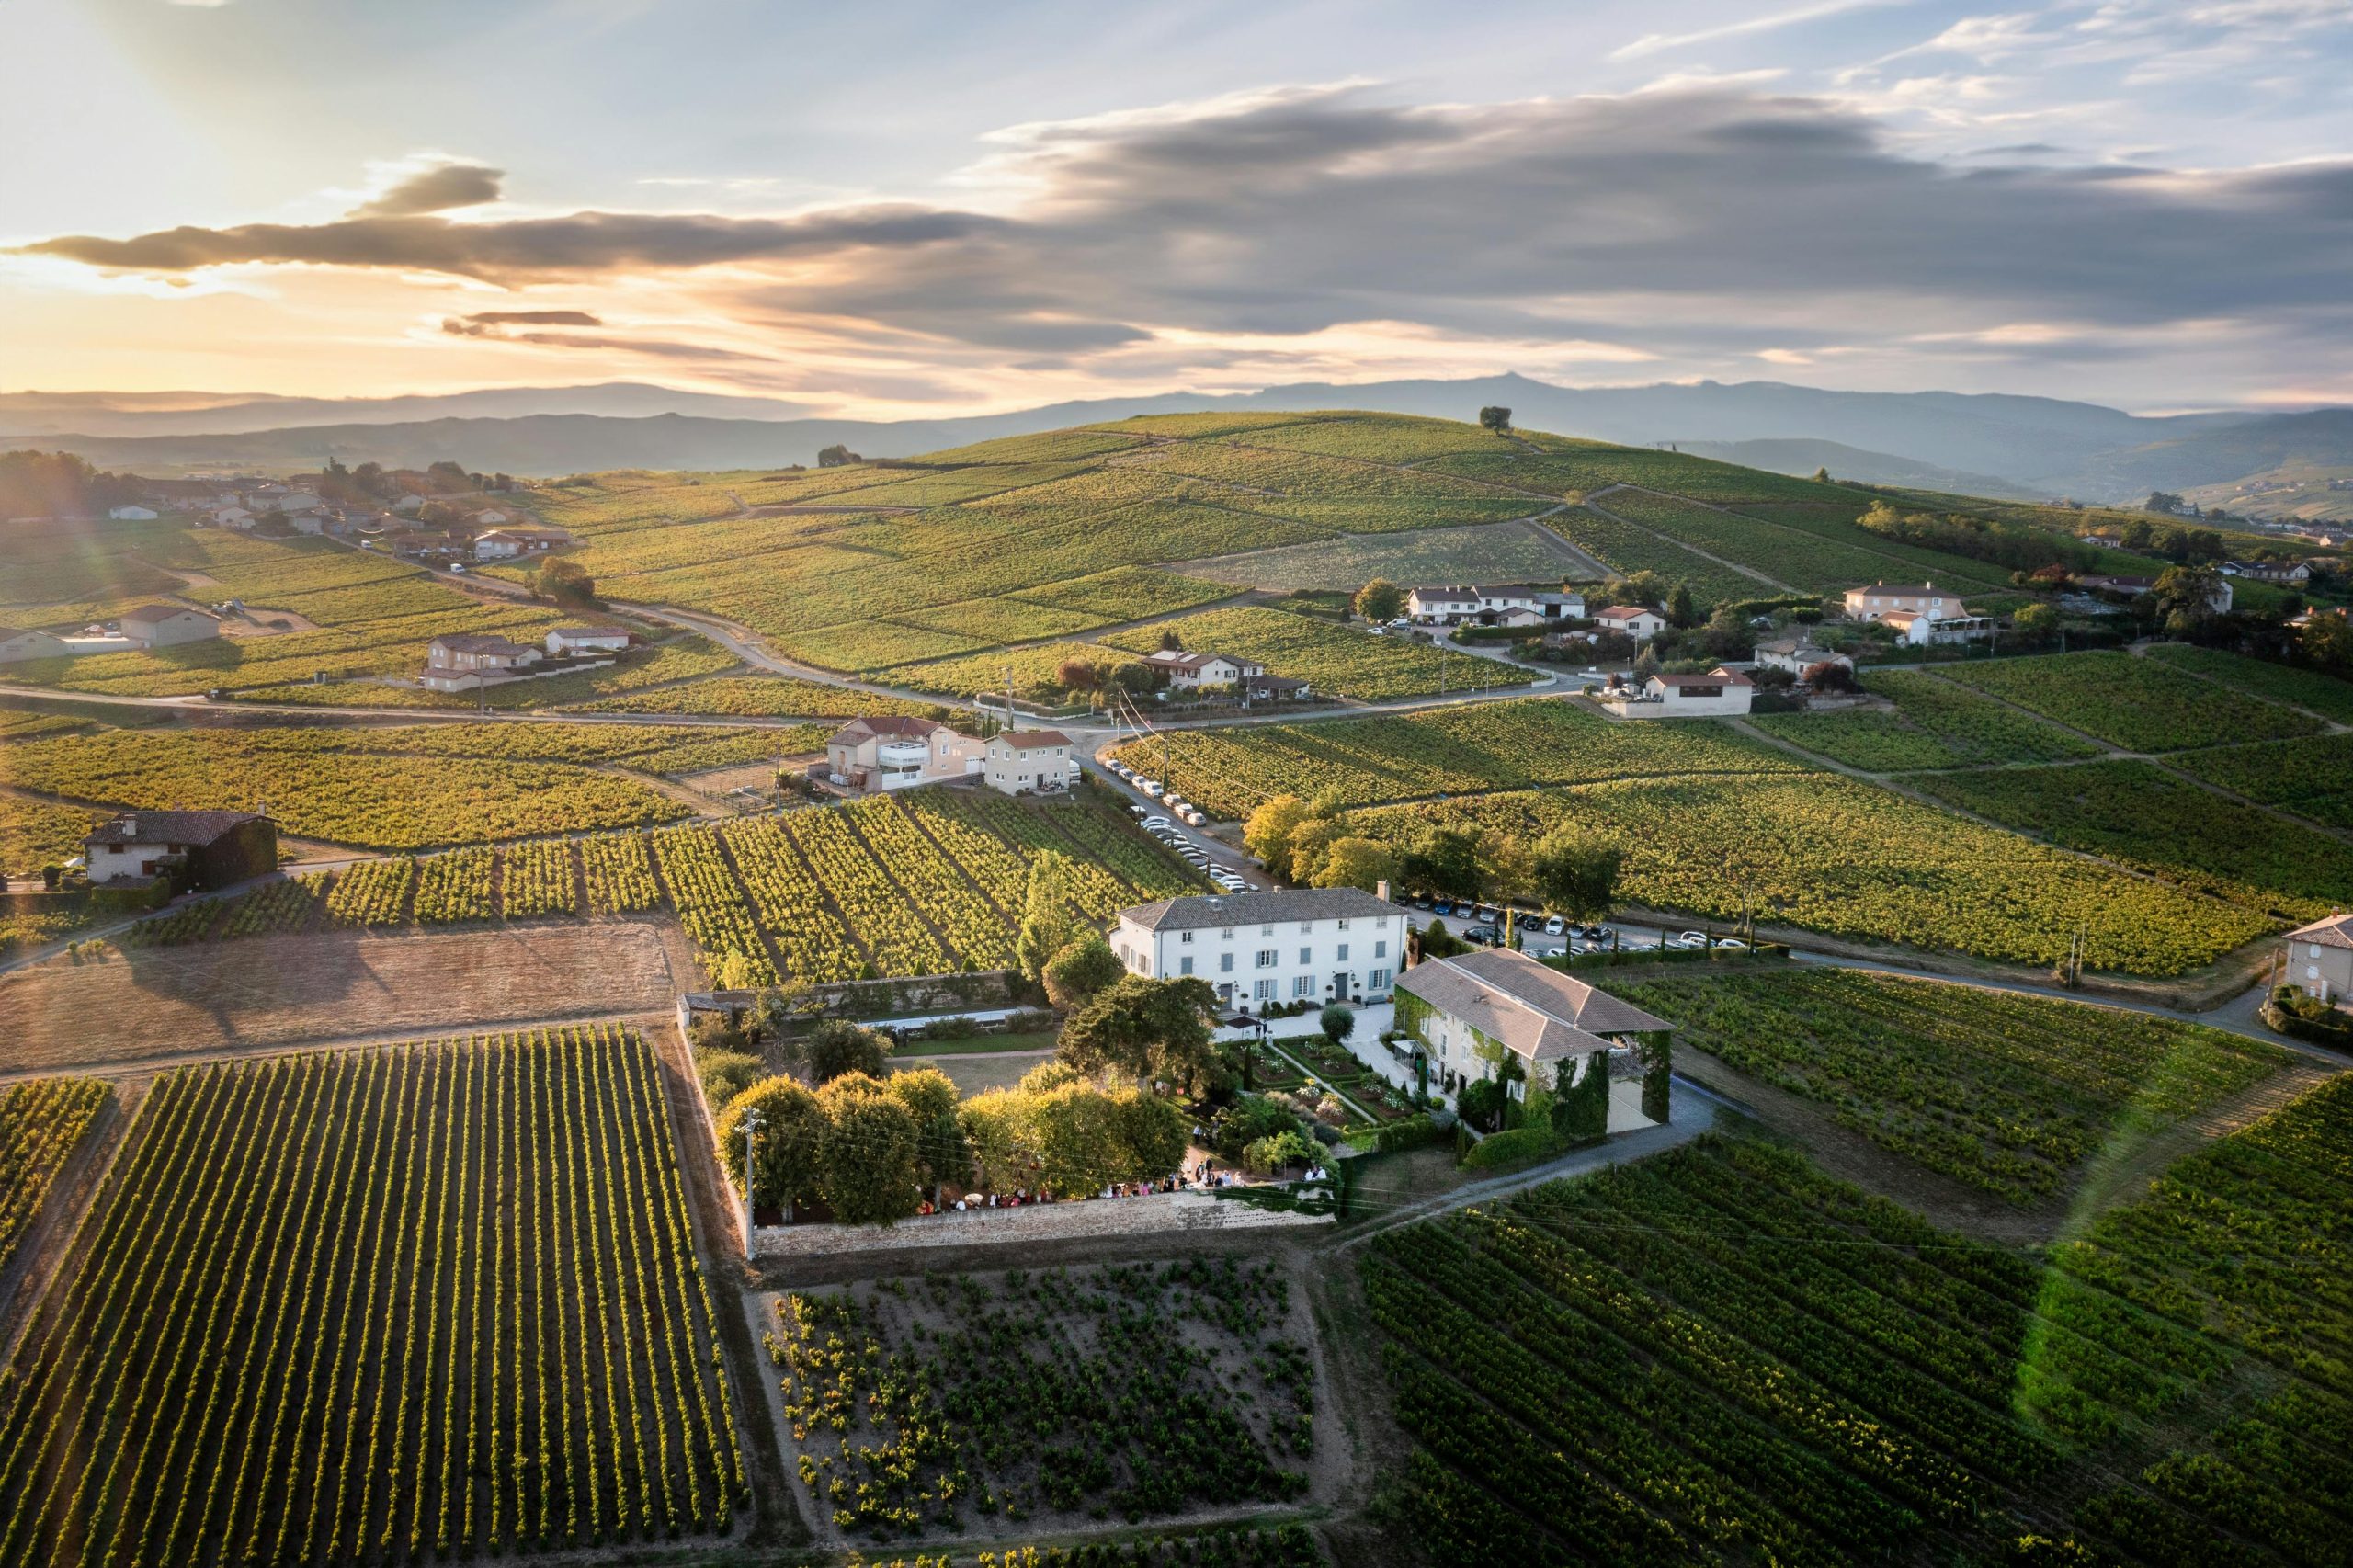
(1695, 939)
(1150, 787)
(1732, 942)
(1555, 926)
(1192, 816)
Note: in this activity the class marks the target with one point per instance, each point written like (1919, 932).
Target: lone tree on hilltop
(837, 456)
(1495, 418)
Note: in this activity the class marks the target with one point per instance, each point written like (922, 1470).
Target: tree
(1268, 833)
(1504, 863)
(786, 1168)
(2039, 622)
(1171, 642)
(2189, 591)
(1821, 475)
(1646, 664)
(1494, 418)
(1442, 861)
(1577, 873)
(566, 582)
(1310, 842)
(777, 1010)
(1830, 675)
(1077, 675)
(837, 1048)
(2164, 501)
(1337, 1022)
(1136, 677)
(1680, 609)
(2327, 642)
(1380, 600)
(868, 1170)
(1352, 861)
(1141, 1028)
(837, 456)
(1046, 926)
(1082, 970)
(941, 1154)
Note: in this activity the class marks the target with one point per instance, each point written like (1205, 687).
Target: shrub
(725, 1075)
(1265, 1157)
(1518, 1146)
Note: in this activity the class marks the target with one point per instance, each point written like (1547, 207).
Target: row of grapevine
(42, 1123)
(364, 1306)
(460, 885)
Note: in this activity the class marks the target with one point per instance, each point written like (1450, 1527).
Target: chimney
(130, 826)
(1381, 890)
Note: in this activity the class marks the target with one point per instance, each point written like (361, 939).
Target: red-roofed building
(1023, 761)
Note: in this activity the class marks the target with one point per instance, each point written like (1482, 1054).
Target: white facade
(899, 753)
(1719, 694)
(1257, 948)
(1796, 656)
(1510, 604)
(586, 639)
(1029, 760)
(19, 645)
(167, 626)
(1188, 671)
(232, 517)
(1640, 624)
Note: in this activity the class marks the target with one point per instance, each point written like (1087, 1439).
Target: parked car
(1532, 923)
(1135, 810)
(1555, 926)
(1190, 816)
(1732, 942)
(1696, 938)
(1482, 936)
(1150, 787)
(1596, 933)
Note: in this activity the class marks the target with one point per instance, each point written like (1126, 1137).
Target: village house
(463, 661)
(2320, 958)
(17, 647)
(893, 752)
(1919, 615)
(1474, 1013)
(167, 626)
(1019, 761)
(199, 850)
(1636, 622)
(1197, 672)
(505, 544)
(230, 516)
(2219, 600)
(296, 501)
(1288, 945)
(586, 640)
(1274, 688)
(1797, 655)
(1722, 692)
(1508, 603)
(2292, 573)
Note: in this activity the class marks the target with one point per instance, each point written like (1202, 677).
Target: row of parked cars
(1168, 832)
(1178, 807)
(1488, 930)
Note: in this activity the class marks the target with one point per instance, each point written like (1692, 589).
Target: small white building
(1472, 1011)
(586, 640)
(1919, 615)
(296, 501)
(1797, 655)
(1193, 672)
(1288, 945)
(230, 518)
(889, 751)
(1503, 604)
(133, 513)
(1021, 761)
(1637, 621)
(17, 646)
(167, 626)
(1721, 693)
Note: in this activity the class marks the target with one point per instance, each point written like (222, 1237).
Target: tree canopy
(1576, 872)
(1380, 599)
(1142, 1029)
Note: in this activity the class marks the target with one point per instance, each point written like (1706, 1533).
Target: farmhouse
(1474, 1014)
(1292, 944)
(167, 626)
(231, 518)
(2320, 958)
(892, 753)
(2219, 600)
(132, 514)
(1508, 604)
(1019, 761)
(1634, 620)
(2291, 571)
(16, 646)
(463, 661)
(1194, 672)
(1797, 655)
(586, 639)
(505, 544)
(1721, 691)
(199, 849)
(296, 501)
(1917, 614)
(1274, 688)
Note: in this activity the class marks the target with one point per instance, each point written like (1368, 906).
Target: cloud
(1702, 225)
(480, 323)
(437, 186)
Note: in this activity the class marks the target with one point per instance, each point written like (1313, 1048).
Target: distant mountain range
(1986, 444)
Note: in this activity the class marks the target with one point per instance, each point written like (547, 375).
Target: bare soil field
(157, 1004)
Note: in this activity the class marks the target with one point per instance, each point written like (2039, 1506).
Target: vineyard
(1334, 660)
(2139, 704)
(2312, 777)
(42, 1123)
(1784, 847)
(960, 1402)
(2143, 816)
(373, 1305)
(1808, 561)
(2324, 695)
(2007, 1094)
(758, 696)
(1935, 724)
(1721, 1355)
(34, 833)
(1492, 745)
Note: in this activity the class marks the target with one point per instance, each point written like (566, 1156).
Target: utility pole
(751, 1136)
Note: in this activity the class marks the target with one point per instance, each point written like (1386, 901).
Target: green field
(2137, 813)
(1784, 847)
(2138, 704)
(1497, 552)
(1722, 1355)
(1808, 559)
(436, 1299)
(2312, 777)
(2010, 1095)
(2324, 695)
(1935, 724)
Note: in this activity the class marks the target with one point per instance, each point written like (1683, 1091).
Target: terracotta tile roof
(1538, 1013)
(2336, 931)
(1201, 912)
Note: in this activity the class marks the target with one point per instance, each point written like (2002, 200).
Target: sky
(925, 208)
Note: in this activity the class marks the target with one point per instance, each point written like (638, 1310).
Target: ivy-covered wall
(1412, 1015)
(1655, 1050)
(1581, 1109)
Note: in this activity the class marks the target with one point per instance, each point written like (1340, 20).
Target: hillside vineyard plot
(42, 1123)
(376, 1306)
(1722, 1355)
(1336, 661)
(2138, 704)
(2006, 1094)
(1935, 724)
